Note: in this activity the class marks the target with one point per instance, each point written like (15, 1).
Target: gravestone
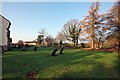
(18, 47)
(26, 46)
(54, 52)
(61, 50)
(23, 48)
(82, 45)
(35, 49)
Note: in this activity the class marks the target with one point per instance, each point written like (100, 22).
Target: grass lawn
(74, 63)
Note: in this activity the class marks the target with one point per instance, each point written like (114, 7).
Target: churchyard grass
(74, 63)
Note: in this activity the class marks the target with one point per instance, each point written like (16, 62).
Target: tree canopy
(72, 30)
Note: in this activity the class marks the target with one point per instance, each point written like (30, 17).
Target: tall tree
(112, 18)
(101, 33)
(72, 30)
(91, 21)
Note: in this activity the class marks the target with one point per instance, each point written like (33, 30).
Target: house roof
(5, 18)
(2, 18)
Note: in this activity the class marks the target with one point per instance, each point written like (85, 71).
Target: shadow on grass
(92, 69)
(28, 61)
(32, 48)
(98, 71)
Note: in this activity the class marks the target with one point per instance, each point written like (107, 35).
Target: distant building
(5, 40)
(30, 42)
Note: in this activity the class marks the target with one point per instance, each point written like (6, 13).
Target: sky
(27, 18)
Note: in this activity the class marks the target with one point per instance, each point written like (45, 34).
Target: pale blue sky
(28, 18)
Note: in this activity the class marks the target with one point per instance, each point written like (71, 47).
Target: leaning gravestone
(82, 45)
(35, 49)
(61, 50)
(54, 52)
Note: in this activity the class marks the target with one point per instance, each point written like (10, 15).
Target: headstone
(82, 45)
(35, 49)
(23, 48)
(54, 52)
(61, 50)
(26, 46)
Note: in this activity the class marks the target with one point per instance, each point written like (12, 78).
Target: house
(5, 40)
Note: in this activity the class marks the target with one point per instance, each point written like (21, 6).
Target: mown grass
(74, 63)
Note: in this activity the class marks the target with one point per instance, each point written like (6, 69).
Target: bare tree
(90, 22)
(112, 18)
(20, 43)
(60, 37)
(49, 39)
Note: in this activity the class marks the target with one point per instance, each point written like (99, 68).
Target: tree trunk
(98, 45)
(74, 43)
(101, 44)
(119, 30)
(93, 33)
(77, 42)
(119, 50)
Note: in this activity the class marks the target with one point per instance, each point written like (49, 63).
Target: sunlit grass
(74, 63)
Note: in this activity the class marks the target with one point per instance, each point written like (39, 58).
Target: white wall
(3, 25)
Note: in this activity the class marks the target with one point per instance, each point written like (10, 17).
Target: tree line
(95, 28)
